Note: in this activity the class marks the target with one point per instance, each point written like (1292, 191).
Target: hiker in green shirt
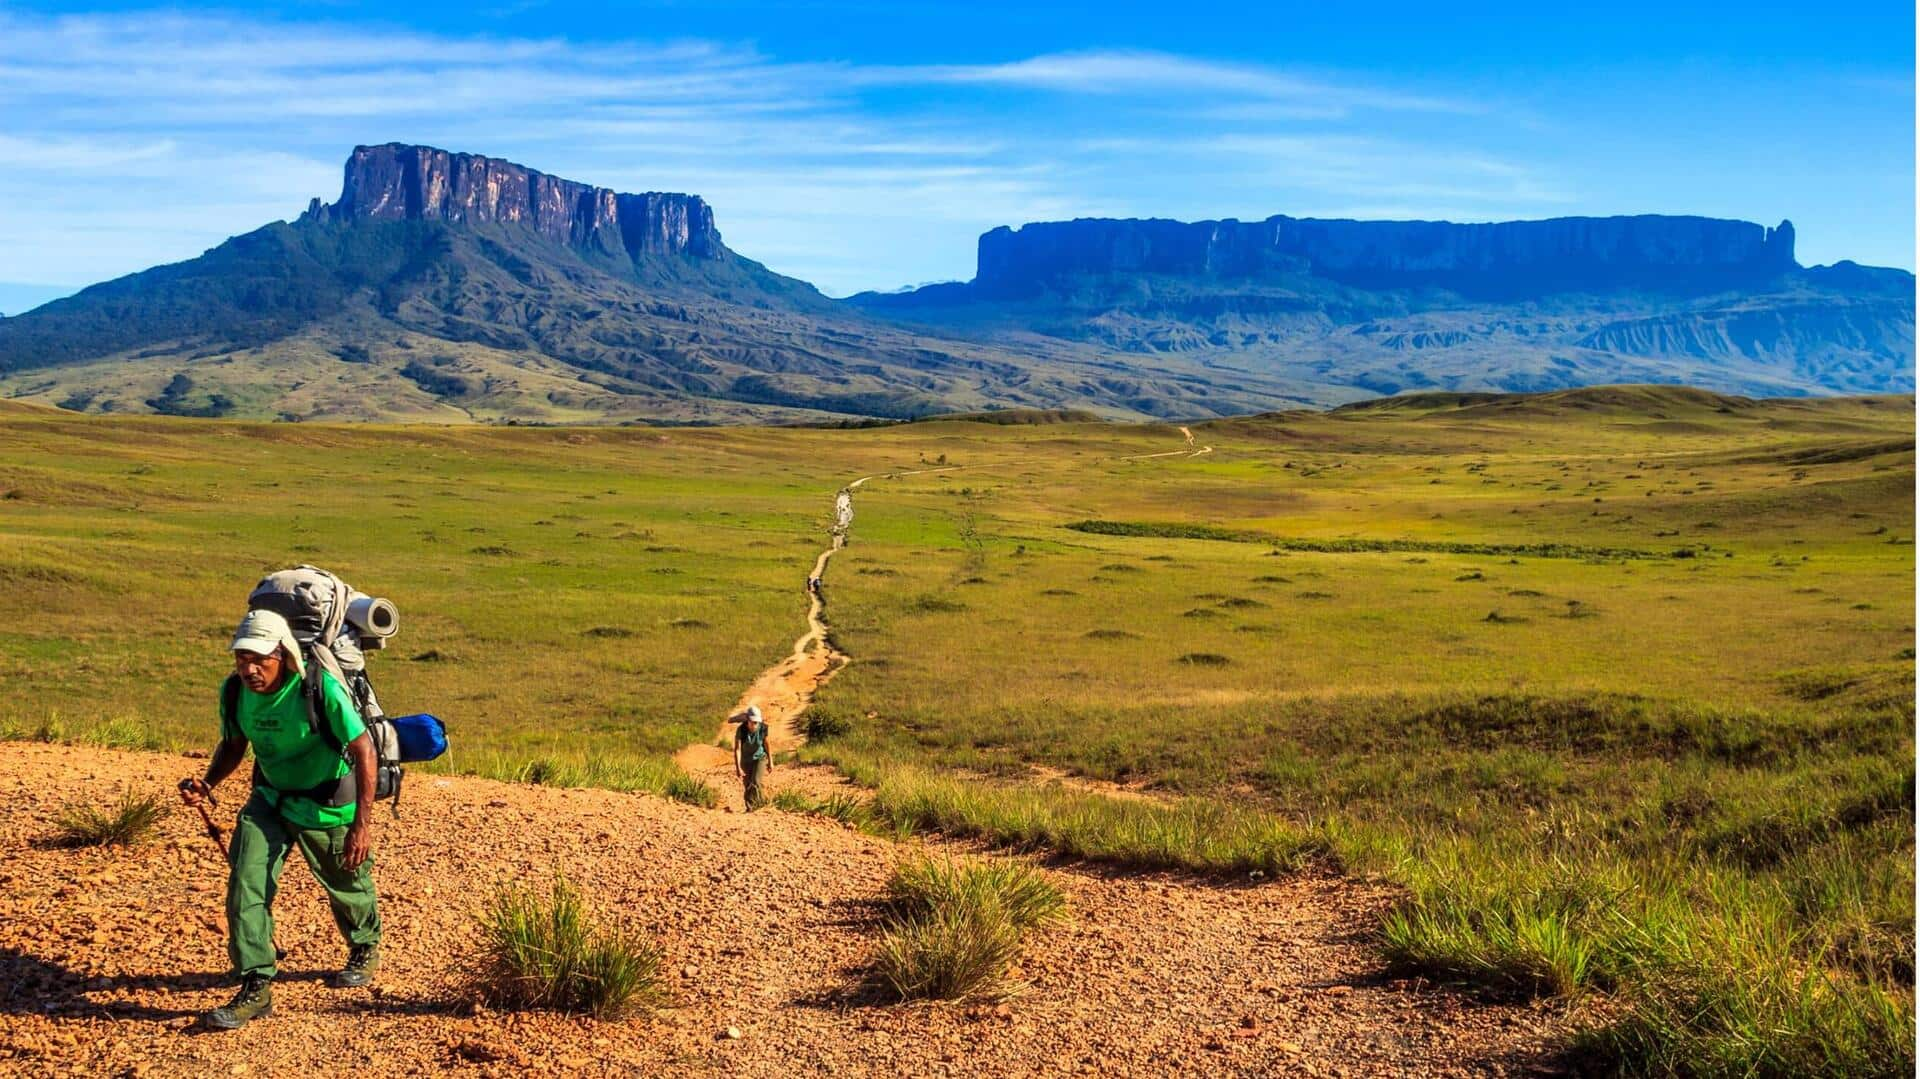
(751, 761)
(306, 790)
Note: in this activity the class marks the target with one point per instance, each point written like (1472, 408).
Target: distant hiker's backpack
(336, 626)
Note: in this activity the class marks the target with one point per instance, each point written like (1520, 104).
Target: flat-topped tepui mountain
(1388, 306)
(453, 286)
(1505, 260)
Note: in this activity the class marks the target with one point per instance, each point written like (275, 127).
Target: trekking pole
(207, 819)
(220, 840)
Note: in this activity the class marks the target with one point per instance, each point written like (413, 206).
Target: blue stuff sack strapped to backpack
(422, 737)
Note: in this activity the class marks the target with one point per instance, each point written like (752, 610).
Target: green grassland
(1618, 684)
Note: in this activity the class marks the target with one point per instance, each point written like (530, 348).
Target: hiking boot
(363, 962)
(253, 1001)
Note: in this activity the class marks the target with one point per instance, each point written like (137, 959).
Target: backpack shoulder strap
(314, 691)
(230, 699)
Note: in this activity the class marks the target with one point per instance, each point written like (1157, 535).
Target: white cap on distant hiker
(263, 633)
(753, 713)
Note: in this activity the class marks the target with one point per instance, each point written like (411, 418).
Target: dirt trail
(1190, 451)
(784, 690)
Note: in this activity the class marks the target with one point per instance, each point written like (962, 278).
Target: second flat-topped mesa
(396, 182)
(1502, 258)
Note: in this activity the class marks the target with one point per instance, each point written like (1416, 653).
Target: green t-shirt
(752, 743)
(290, 754)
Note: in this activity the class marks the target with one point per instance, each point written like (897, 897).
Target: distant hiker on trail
(751, 761)
(305, 794)
(813, 585)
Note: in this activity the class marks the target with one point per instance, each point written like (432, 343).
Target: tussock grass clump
(928, 603)
(1529, 947)
(955, 927)
(846, 809)
(791, 801)
(1204, 659)
(955, 953)
(546, 951)
(682, 787)
(822, 724)
(924, 884)
(126, 822)
(1109, 635)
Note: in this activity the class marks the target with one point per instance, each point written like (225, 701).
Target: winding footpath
(785, 690)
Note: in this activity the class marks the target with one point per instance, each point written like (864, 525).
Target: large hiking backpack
(336, 626)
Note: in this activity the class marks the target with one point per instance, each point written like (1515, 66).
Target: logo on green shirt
(291, 754)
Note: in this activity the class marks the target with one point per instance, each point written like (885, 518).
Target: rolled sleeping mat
(373, 617)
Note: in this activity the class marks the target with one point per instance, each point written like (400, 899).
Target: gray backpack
(336, 626)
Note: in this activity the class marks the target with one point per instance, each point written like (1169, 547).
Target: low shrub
(546, 951)
(126, 822)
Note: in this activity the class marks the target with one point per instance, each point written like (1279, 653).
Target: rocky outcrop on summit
(397, 182)
(1508, 258)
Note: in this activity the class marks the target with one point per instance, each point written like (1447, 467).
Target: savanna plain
(1614, 688)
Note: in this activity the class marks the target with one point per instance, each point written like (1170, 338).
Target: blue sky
(866, 145)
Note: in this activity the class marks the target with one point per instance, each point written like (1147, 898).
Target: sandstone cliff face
(1513, 257)
(401, 182)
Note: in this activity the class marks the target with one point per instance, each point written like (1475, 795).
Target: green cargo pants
(254, 860)
(753, 777)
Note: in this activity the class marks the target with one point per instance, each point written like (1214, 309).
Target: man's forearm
(226, 757)
(365, 781)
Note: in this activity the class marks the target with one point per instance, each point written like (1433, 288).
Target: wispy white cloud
(144, 138)
(1126, 72)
